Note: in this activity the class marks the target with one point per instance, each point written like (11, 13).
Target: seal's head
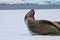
(30, 14)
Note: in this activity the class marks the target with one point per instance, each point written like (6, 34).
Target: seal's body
(41, 26)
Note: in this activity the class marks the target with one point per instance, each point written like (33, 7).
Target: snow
(12, 25)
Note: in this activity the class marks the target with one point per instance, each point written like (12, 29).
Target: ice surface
(12, 26)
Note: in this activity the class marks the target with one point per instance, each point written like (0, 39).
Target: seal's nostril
(32, 9)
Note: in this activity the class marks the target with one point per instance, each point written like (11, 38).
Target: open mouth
(31, 13)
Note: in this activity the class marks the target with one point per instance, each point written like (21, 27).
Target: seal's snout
(32, 12)
(32, 9)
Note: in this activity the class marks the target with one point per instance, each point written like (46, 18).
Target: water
(12, 26)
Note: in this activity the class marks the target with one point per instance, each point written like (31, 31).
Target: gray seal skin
(42, 27)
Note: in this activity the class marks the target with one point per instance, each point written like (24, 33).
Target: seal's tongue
(31, 14)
